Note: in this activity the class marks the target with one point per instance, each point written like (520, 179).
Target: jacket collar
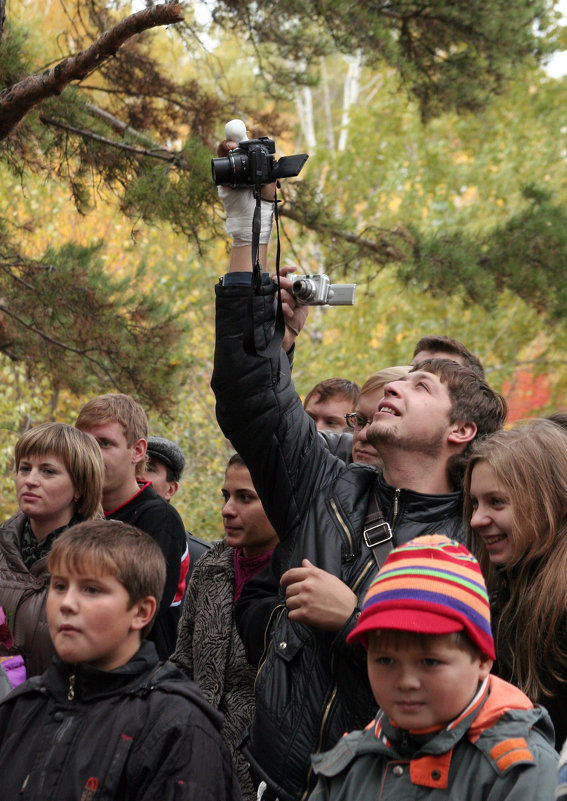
(90, 683)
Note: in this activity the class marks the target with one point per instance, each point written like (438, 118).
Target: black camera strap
(274, 343)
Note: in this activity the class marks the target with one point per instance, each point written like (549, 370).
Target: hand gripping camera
(317, 290)
(253, 163)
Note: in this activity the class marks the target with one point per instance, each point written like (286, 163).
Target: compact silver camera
(317, 290)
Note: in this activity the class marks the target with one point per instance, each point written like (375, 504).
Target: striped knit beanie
(431, 585)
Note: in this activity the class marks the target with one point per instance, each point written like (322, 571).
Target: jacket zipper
(367, 567)
(268, 645)
(396, 507)
(342, 524)
(71, 691)
(323, 721)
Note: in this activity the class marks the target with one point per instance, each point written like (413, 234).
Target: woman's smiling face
(491, 518)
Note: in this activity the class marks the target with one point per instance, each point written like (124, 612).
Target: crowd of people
(385, 616)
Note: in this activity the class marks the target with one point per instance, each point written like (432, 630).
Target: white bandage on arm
(240, 205)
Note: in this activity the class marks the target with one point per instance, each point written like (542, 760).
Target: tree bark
(17, 100)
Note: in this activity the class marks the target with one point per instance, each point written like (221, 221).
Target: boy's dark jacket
(140, 732)
(498, 751)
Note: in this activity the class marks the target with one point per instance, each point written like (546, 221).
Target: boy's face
(423, 686)
(90, 620)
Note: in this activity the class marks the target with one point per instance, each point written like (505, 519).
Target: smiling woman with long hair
(515, 507)
(59, 477)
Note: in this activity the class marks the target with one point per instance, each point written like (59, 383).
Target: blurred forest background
(436, 181)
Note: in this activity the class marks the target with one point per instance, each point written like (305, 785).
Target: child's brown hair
(117, 549)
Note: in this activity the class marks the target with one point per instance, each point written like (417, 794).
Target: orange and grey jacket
(499, 749)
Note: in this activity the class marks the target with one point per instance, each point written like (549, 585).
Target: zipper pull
(71, 693)
(396, 503)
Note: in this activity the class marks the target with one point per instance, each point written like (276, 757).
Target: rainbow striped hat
(431, 585)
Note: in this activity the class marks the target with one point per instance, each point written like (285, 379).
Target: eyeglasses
(355, 420)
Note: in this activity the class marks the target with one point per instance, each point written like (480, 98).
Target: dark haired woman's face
(245, 523)
(491, 518)
(45, 490)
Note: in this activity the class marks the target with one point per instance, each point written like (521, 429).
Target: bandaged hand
(239, 204)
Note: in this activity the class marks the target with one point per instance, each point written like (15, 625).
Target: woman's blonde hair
(381, 378)
(530, 465)
(78, 451)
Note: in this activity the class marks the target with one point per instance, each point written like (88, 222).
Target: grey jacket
(500, 752)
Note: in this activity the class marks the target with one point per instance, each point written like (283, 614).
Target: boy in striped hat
(446, 728)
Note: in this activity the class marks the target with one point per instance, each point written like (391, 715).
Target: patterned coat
(210, 651)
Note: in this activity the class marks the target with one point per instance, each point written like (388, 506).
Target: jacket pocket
(280, 684)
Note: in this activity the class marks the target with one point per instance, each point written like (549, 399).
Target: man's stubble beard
(383, 437)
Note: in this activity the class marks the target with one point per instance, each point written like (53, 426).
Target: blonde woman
(59, 477)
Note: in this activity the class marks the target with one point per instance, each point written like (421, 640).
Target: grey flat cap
(168, 452)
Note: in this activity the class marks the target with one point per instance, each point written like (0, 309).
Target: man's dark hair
(559, 418)
(472, 401)
(331, 387)
(452, 347)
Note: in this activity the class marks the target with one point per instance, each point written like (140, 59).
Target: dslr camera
(253, 163)
(317, 290)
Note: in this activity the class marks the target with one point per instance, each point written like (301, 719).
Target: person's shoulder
(512, 732)
(152, 507)
(346, 751)
(13, 524)
(32, 687)
(178, 698)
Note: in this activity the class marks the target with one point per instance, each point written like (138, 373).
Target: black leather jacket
(311, 686)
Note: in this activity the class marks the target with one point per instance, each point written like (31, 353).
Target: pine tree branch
(163, 154)
(118, 125)
(17, 100)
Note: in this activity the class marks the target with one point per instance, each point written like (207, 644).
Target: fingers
(294, 575)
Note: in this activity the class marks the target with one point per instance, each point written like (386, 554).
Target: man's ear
(172, 487)
(462, 433)
(144, 612)
(139, 450)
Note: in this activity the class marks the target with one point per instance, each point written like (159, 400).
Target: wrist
(241, 258)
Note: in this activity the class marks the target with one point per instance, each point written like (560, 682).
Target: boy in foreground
(107, 720)
(446, 728)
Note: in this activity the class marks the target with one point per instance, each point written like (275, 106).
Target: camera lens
(232, 170)
(303, 290)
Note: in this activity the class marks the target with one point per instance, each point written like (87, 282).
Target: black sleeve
(253, 609)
